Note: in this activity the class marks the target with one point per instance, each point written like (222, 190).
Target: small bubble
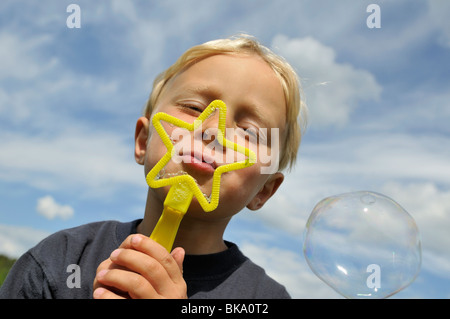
(208, 198)
(163, 174)
(160, 174)
(213, 112)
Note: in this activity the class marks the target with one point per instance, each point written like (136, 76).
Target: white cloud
(439, 11)
(50, 209)
(16, 60)
(373, 159)
(363, 162)
(21, 65)
(16, 240)
(436, 263)
(333, 90)
(289, 269)
(49, 116)
(289, 208)
(39, 90)
(430, 207)
(93, 163)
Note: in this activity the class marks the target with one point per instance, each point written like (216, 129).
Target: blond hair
(296, 110)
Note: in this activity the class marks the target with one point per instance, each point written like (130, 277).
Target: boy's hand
(141, 269)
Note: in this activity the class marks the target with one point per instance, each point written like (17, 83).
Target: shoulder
(49, 264)
(246, 281)
(256, 282)
(70, 243)
(85, 246)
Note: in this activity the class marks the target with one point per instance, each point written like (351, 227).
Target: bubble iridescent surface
(363, 245)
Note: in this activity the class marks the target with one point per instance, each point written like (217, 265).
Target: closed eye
(250, 131)
(192, 108)
(250, 134)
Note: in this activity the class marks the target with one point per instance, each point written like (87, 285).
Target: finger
(178, 255)
(151, 270)
(128, 282)
(104, 293)
(103, 265)
(127, 242)
(151, 248)
(106, 264)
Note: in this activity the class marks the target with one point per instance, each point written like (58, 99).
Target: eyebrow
(205, 90)
(254, 111)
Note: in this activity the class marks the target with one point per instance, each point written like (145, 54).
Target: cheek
(243, 184)
(155, 151)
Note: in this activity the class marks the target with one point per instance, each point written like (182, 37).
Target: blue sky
(378, 117)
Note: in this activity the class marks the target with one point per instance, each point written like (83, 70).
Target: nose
(209, 130)
(209, 133)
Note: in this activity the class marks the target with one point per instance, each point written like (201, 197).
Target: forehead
(237, 79)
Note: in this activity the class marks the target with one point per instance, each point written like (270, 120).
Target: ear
(269, 188)
(140, 139)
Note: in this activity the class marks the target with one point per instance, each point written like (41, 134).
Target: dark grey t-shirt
(63, 266)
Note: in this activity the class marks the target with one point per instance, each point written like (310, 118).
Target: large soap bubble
(363, 245)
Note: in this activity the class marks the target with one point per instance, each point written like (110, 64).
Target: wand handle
(175, 207)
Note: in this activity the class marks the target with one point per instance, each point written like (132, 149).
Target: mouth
(199, 161)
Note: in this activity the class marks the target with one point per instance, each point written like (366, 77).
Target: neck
(198, 235)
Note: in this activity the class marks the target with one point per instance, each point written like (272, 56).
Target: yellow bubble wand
(184, 187)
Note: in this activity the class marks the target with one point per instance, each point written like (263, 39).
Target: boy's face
(255, 102)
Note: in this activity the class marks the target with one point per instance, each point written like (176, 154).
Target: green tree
(5, 265)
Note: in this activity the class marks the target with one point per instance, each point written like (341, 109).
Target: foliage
(5, 265)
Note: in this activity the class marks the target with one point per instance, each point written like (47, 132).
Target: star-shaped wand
(184, 187)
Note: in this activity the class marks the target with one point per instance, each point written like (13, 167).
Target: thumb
(178, 254)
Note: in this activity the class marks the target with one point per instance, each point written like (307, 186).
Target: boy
(119, 260)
